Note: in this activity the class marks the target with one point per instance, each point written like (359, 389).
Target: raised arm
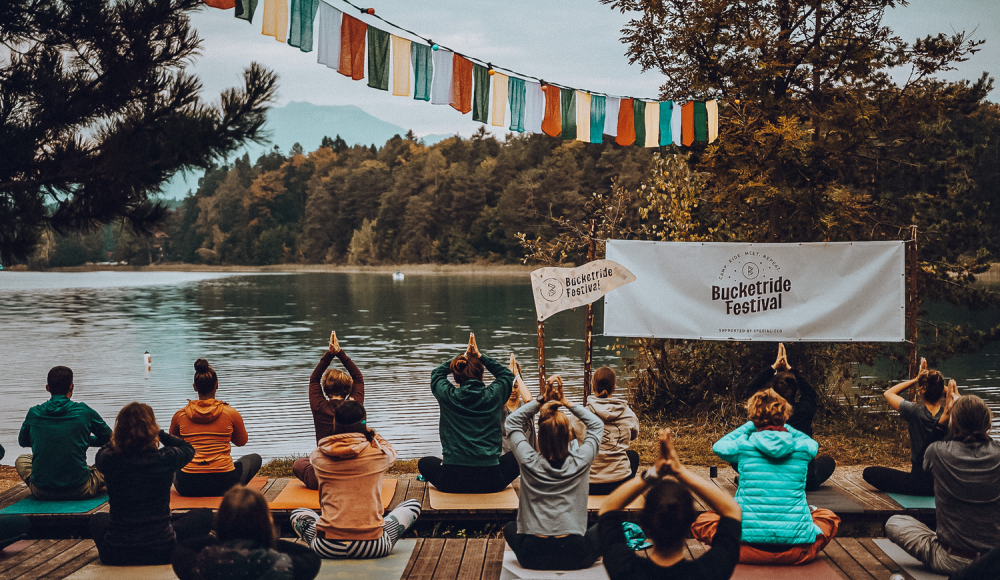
(439, 380)
(892, 395)
(504, 379)
(522, 389)
(316, 396)
(180, 450)
(517, 426)
(358, 390)
(595, 429)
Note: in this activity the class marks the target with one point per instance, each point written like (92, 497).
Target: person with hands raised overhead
(921, 419)
(519, 395)
(779, 528)
(666, 519)
(794, 388)
(328, 388)
(470, 426)
(551, 528)
(965, 472)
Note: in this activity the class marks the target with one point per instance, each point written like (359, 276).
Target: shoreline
(413, 269)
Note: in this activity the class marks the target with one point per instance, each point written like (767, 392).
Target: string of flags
(440, 76)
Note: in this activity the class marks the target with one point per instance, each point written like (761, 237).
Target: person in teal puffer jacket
(773, 458)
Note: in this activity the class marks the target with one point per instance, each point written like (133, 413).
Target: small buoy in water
(397, 276)
(147, 359)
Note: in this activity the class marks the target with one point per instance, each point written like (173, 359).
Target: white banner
(834, 292)
(558, 289)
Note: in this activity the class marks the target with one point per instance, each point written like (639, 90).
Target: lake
(264, 334)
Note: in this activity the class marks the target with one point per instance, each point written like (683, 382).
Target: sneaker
(301, 520)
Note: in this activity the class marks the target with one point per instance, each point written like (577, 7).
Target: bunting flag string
(444, 76)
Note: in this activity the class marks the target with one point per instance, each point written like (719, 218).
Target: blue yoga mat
(914, 502)
(30, 505)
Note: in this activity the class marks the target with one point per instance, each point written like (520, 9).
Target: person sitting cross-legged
(349, 466)
(328, 388)
(966, 473)
(778, 526)
(470, 426)
(551, 528)
(615, 463)
(59, 433)
(665, 519)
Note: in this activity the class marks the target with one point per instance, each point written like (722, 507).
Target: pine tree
(97, 113)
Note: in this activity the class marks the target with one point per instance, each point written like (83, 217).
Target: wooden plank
(73, 565)
(418, 491)
(36, 547)
(858, 488)
(430, 553)
(64, 557)
(473, 559)
(883, 558)
(696, 547)
(267, 484)
(14, 491)
(833, 566)
(862, 556)
(493, 563)
(39, 558)
(413, 558)
(275, 488)
(450, 559)
(402, 485)
(845, 562)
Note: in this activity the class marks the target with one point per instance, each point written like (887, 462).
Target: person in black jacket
(789, 383)
(138, 473)
(245, 546)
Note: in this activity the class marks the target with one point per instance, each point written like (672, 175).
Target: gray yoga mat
(829, 498)
(907, 562)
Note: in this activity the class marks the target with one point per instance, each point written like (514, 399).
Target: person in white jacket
(615, 463)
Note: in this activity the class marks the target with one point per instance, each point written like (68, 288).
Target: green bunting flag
(303, 15)
(666, 110)
(597, 120)
(245, 9)
(515, 95)
(423, 71)
(568, 102)
(481, 94)
(639, 106)
(378, 59)
(700, 121)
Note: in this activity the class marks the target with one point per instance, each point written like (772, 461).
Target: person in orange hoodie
(349, 466)
(210, 426)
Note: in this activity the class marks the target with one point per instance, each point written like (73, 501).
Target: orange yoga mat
(297, 495)
(179, 502)
(504, 500)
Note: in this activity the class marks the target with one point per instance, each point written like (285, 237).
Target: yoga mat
(97, 571)
(914, 502)
(815, 570)
(297, 495)
(512, 570)
(30, 505)
(504, 500)
(389, 568)
(907, 562)
(594, 502)
(829, 498)
(179, 502)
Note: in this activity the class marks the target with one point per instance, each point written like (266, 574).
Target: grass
(862, 440)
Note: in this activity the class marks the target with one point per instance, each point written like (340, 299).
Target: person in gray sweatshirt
(551, 528)
(615, 463)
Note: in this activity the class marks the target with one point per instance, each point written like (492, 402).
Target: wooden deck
(432, 559)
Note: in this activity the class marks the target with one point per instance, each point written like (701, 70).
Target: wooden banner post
(913, 303)
(588, 343)
(541, 356)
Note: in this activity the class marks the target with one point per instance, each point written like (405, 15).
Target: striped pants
(396, 523)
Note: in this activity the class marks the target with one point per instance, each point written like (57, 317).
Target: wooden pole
(588, 341)
(541, 356)
(913, 303)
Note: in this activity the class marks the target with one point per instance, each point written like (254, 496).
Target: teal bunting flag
(515, 96)
(480, 94)
(597, 113)
(378, 59)
(568, 101)
(666, 109)
(303, 15)
(639, 108)
(700, 121)
(245, 9)
(423, 71)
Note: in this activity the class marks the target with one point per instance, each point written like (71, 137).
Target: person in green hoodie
(470, 426)
(59, 431)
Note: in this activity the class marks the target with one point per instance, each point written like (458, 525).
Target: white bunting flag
(558, 289)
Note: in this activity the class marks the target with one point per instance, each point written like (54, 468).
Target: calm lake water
(264, 333)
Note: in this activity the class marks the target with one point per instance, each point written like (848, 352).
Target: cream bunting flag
(558, 289)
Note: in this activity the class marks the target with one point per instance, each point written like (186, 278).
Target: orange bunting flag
(221, 4)
(552, 121)
(352, 47)
(687, 123)
(626, 123)
(461, 84)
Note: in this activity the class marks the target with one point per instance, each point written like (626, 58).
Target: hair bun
(201, 366)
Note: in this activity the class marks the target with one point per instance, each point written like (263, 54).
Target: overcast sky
(572, 42)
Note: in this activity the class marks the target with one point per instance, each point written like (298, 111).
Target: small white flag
(558, 289)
